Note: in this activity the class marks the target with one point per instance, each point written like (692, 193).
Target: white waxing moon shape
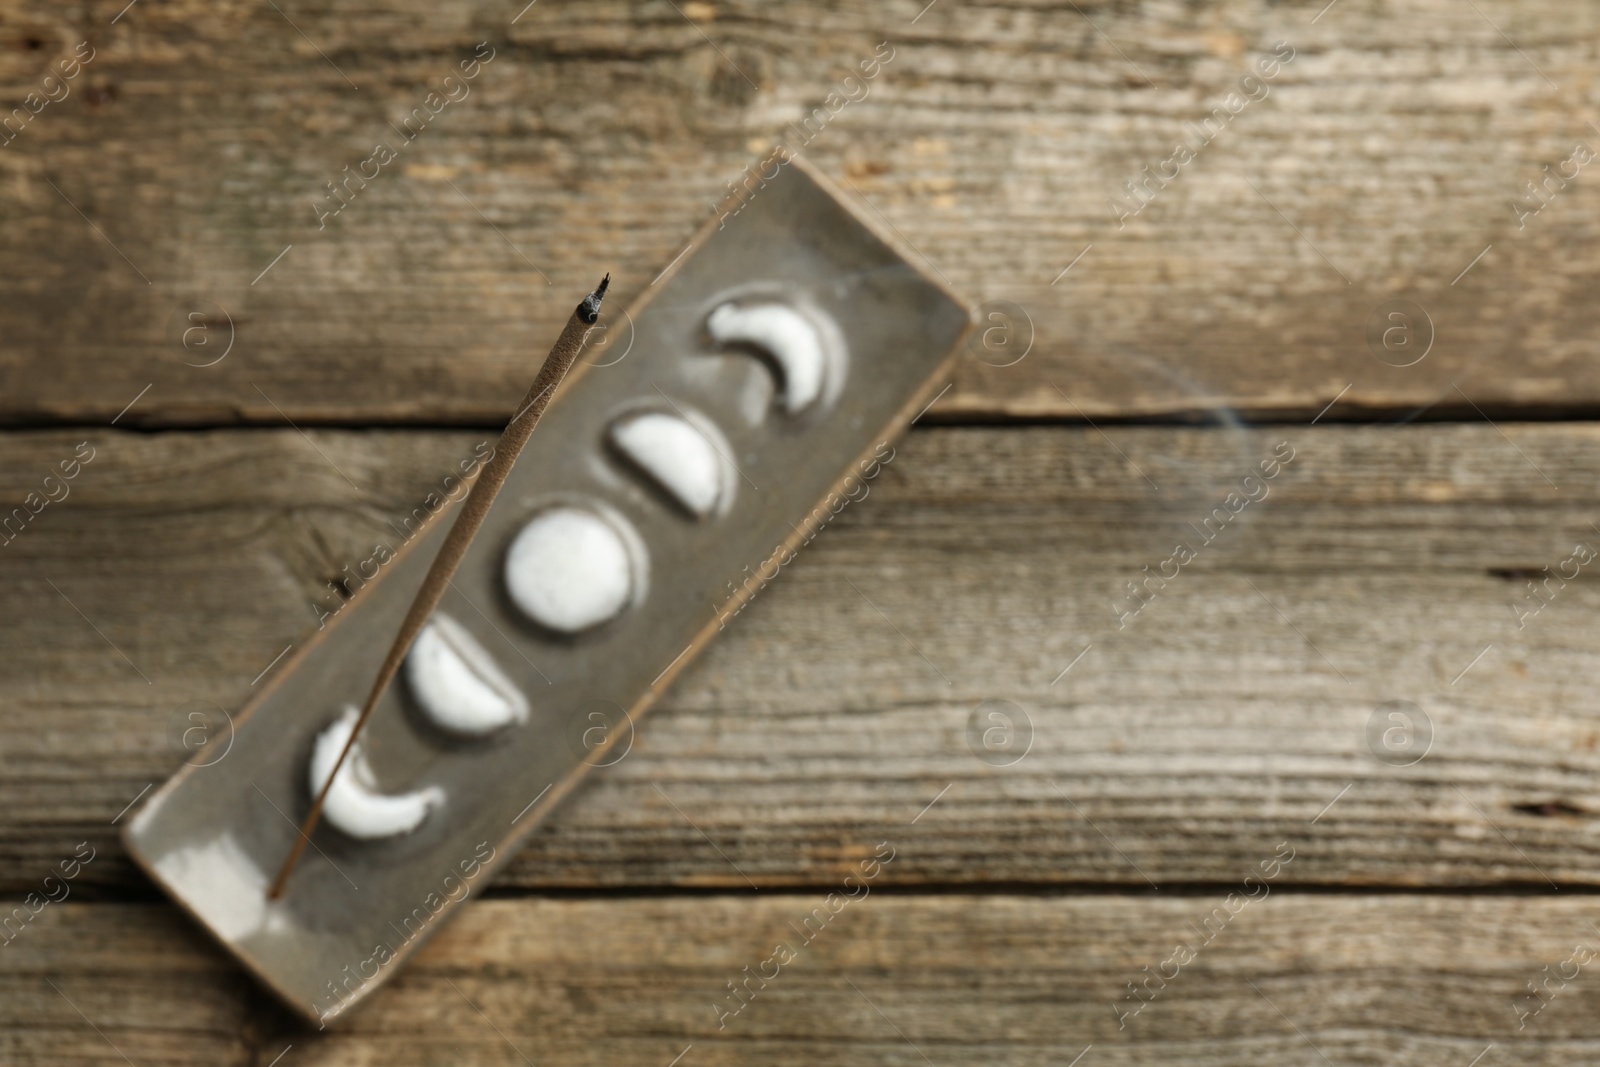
(354, 804)
(788, 336)
(678, 455)
(569, 570)
(458, 684)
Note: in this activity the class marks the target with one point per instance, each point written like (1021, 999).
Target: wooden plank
(1233, 709)
(102, 983)
(1385, 157)
(1384, 979)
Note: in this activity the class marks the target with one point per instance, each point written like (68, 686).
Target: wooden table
(1233, 726)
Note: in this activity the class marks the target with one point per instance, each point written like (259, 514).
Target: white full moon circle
(569, 570)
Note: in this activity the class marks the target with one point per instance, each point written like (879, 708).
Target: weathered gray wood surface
(951, 980)
(1231, 715)
(1385, 158)
(1207, 730)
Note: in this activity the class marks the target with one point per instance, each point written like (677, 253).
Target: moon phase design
(354, 804)
(570, 570)
(457, 683)
(678, 456)
(789, 337)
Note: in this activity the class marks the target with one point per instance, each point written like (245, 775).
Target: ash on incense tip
(589, 310)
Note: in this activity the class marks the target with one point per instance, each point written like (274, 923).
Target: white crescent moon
(354, 804)
(788, 336)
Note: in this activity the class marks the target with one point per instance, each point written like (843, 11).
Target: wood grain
(1384, 159)
(104, 983)
(1383, 979)
(1232, 713)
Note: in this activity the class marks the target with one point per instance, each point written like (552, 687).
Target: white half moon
(677, 455)
(458, 684)
(569, 570)
(354, 804)
(788, 336)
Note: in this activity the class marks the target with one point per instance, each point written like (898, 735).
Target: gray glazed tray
(213, 836)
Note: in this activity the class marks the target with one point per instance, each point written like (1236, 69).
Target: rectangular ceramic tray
(214, 835)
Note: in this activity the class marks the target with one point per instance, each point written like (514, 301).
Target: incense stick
(473, 511)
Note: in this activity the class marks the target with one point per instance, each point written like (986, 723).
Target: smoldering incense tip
(589, 310)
